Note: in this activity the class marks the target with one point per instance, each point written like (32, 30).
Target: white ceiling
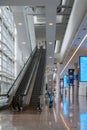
(78, 12)
(44, 32)
(65, 31)
(82, 51)
(47, 32)
(21, 30)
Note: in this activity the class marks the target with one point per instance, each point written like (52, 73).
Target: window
(7, 46)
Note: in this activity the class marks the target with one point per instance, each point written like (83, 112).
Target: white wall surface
(82, 88)
(31, 31)
(18, 61)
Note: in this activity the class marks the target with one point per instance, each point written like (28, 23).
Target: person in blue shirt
(51, 100)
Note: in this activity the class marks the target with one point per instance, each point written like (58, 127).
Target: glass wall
(7, 44)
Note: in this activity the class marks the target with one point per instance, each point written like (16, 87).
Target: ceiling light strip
(74, 53)
(50, 43)
(19, 24)
(50, 24)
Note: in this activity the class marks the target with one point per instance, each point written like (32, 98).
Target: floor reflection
(65, 106)
(65, 115)
(74, 113)
(83, 121)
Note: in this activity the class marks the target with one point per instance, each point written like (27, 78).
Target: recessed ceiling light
(19, 24)
(4, 49)
(50, 57)
(26, 57)
(55, 69)
(50, 43)
(50, 24)
(23, 42)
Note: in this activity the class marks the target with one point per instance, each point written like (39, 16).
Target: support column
(73, 94)
(76, 82)
(69, 93)
(58, 81)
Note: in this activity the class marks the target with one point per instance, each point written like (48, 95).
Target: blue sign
(83, 68)
(71, 76)
(65, 107)
(71, 71)
(76, 77)
(65, 81)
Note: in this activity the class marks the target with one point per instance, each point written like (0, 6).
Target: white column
(76, 82)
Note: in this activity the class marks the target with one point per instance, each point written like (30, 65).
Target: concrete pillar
(58, 81)
(69, 87)
(76, 82)
(73, 94)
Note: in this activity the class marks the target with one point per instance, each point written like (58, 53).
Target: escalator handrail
(35, 68)
(25, 94)
(43, 72)
(30, 57)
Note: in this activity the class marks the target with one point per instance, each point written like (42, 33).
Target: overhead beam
(62, 13)
(65, 6)
(44, 24)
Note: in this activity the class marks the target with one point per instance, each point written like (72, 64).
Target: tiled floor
(63, 116)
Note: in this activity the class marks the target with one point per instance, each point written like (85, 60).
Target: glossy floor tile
(65, 115)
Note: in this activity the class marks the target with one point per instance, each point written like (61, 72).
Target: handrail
(23, 96)
(31, 77)
(18, 74)
(43, 72)
(21, 70)
(27, 99)
(35, 67)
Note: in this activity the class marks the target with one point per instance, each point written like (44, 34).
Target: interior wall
(82, 88)
(19, 63)
(31, 31)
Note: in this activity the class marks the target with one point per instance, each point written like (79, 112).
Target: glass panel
(7, 44)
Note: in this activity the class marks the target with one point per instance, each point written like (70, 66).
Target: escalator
(38, 86)
(24, 82)
(20, 84)
(31, 80)
(24, 85)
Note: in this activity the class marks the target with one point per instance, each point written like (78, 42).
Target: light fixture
(55, 69)
(50, 57)
(35, 19)
(4, 49)
(23, 42)
(26, 57)
(50, 24)
(50, 43)
(85, 37)
(20, 24)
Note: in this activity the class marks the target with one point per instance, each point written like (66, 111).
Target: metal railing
(14, 86)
